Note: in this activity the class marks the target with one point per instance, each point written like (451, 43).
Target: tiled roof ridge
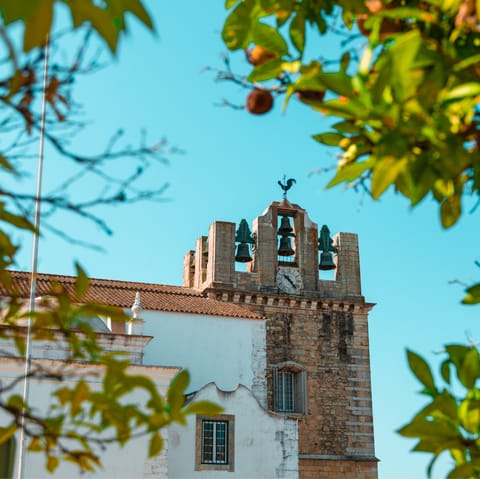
(154, 296)
(114, 283)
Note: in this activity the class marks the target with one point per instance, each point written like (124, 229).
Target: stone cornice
(355, 305)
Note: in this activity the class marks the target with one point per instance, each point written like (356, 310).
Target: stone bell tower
(317, 329)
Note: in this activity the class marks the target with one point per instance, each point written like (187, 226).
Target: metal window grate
(214, 442)
(286, 391)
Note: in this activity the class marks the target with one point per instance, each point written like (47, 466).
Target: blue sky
(229, 171)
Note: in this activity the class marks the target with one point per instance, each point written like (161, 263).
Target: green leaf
(348, 108)
(5, 164)
(469, 370)
(136, 8)
(52, 463)
(20, 344)
(236, 29)
(156, 445)
(428, 428)
(269, 38)
(330, 139)
(7, 432)
(38, 25)
(16, 402)
(339, 82)
(462, 91)
(176, 393)
(467, 62)
(204, 408)
(13, 10)
(403, 54)
(345, 61)
(297, 32)
(100, 20)
(450, 210)
(63, 395)
(446, 404)
(347, 126)
(80, 394)
(15, 220)
(82, 282)
(445, 371)
(229, 4)
(385, 172)
(464, 471)
(473, 295)
(36, 445)
(350, 172)
(469, 414)
(421, 370)
(266, 71)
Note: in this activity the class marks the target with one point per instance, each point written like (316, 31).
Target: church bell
(326, 261)
(244, 238)
(325, 244)
(285, 228)
(285, 232)
(285, 247)
(243, 253)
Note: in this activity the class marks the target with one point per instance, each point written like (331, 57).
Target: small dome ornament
(137, 306)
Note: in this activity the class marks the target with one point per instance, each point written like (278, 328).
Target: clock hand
(289, 280)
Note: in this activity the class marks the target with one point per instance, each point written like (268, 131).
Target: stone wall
(337, 469)
(323, 328)
(332, 346)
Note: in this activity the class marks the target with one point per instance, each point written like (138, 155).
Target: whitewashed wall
(266, 444)
(131, 346)
(227, 351)
(129, 462)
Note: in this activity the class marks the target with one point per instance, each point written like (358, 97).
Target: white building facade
(222, 346)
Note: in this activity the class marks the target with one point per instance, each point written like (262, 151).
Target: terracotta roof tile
(154, 297)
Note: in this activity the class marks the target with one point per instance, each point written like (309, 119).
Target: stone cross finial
(137, 306)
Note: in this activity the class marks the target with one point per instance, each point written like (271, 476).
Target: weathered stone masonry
(323, 327)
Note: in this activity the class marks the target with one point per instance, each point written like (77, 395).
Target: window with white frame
(215, 443)
(289, 388)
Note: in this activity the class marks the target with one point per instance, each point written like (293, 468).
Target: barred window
(289, 388)
(214, 448)
(214, 442)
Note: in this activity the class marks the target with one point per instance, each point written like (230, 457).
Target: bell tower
(318, 367)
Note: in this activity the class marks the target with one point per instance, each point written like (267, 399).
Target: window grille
(289, 388)
(214, 442)
(286, 391)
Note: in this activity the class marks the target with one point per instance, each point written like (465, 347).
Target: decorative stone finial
(137, 306)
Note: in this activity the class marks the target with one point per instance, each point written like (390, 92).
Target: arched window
(289, 387)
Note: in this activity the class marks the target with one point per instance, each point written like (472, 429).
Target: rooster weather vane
(286, 185)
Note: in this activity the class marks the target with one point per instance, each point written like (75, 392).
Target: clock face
(289, 280)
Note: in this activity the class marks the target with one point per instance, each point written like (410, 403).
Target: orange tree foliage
(403, 95)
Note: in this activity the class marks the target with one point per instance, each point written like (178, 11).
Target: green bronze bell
(285, 228)
(243, 253)
(285, 247)
(244, 237)
(326, 261)
(325, 244)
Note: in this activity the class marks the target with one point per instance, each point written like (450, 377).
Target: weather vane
(286, 185)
